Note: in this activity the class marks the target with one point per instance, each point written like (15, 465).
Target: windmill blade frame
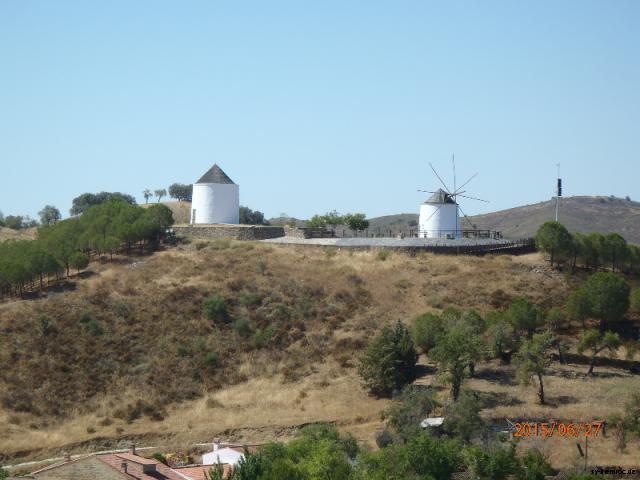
(466, 217)
(474, 198)
(465, 183)
(453, 162)
(441, 181)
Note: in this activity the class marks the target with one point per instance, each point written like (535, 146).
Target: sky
(312, 106)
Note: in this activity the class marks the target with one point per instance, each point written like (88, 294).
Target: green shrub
(160, 457)
(389, 362)
(261, 338)
(426, 330)
(412, 406)
(535, 466)
(44, 325)
(493, 463)
(330, 252)
(383, 254)
(523, 315)
(183, 350)
(121, 309)
(215, 308)
(94, 328)
(85, 317)
(212, 360)
(242, 326)
(462, 418)
(249, 299)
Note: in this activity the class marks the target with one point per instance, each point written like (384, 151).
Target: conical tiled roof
(440, 196)
(215, 175)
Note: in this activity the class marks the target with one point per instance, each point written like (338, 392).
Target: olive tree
(159, 193)
(49, 215)
(596, 341)
(533, 359)
(454, 352)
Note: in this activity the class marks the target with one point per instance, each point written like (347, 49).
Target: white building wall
(215, 203)
(438, 220)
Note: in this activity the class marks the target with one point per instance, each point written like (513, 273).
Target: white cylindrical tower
(215, 198)
(439, 217)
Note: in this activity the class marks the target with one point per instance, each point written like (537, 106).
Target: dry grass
(325, 308)
(181, 210)
(10, 234)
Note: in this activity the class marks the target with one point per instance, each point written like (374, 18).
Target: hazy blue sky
(315, 105)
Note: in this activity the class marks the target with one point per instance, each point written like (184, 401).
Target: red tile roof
(196, 472)
(135, 465)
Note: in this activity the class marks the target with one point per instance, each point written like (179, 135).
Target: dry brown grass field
(10, 234)
(129, 354)
(180, 210)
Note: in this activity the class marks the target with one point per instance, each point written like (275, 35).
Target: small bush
(384, 438)
(160, 457)
(212, 360)
(434, 301)
(94, 328)
(183, 350)
(121, 309)
(215, 308)
(134, 411)
(383, 254)
(249, 299)
(85, 317)
(242, 326)
(91, 429)
(44, 325)
(330, 252)
(413, 405)
(536, 466)
(261, 338)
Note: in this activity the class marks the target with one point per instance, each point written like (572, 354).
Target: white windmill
(439, 217)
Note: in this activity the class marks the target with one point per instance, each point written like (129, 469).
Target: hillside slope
(127, 350)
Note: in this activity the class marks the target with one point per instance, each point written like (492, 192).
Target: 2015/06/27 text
(562, 429)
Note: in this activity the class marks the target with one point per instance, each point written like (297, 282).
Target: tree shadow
(495, 399)
(425, 370)
(496, 375)
(50, 290)
(560, 400)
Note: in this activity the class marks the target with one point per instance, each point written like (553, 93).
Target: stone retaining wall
(235, 232)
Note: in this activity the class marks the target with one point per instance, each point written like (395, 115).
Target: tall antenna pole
(558, 190)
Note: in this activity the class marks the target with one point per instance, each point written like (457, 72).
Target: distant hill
(580, 214)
